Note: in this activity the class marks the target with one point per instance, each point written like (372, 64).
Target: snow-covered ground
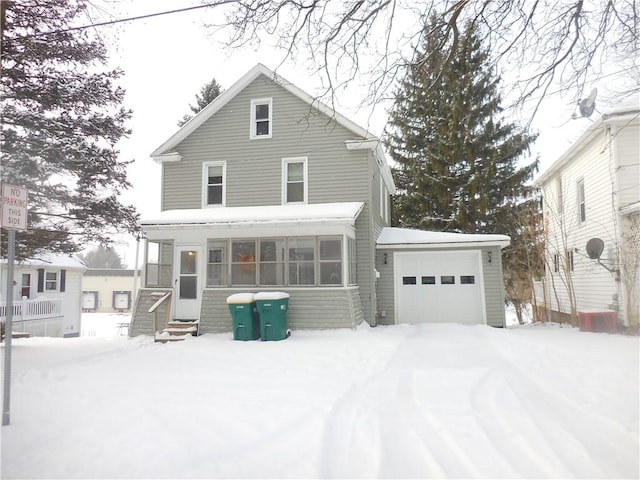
(431, 401)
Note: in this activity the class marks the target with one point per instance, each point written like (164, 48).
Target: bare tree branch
(547, 45)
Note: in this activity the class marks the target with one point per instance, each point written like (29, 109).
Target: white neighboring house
(593, 191)
(47, 295)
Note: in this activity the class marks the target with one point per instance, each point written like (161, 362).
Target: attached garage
(438, 277)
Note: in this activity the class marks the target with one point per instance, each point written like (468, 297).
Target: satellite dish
(588, 105)
(595, 246)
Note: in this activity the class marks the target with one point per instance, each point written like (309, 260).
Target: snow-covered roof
(59, 260)
(394, 236)
(305, 213)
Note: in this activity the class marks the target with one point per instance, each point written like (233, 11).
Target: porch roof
(298, 213)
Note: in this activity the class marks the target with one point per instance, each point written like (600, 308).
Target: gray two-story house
(268, 189)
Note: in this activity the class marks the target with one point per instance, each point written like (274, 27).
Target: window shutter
(40, 280)
(63, 280)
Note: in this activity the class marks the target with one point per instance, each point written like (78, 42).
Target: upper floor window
(213, 183)
(560, 197)
(294, 172)
(582, 209)
(261, 114)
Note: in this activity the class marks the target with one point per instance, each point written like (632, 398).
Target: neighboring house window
(272, 262)
(243, 262)
(214, 183)
(569, 261)
(216, 264)
(582, 209)
(556, 267)
(261, 115)
(330, 260)
(560, 195)
(301, 256)
(25, 291)
(294, 172)
(51, 281)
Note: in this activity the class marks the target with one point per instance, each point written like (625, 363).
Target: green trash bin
(272, 310)
(244, 316)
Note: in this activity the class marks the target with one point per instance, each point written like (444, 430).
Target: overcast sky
(167, 59)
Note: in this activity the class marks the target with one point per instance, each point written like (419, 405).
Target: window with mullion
(295, 180)
(272, 262)
(214, 179)
(330, 260)
(261, 118)
(301, 257)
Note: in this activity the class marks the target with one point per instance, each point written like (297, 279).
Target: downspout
(373, 299)
(619, 301)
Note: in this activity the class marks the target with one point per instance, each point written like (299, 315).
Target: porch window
(302, 261)
(243, 262)
(261, 118)
(159, 263)
(272, 262)
(216, 264)
(330, 260)
(214, 183)
(51, 281)
(294, 187)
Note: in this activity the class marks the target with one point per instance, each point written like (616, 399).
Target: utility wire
(130, 19)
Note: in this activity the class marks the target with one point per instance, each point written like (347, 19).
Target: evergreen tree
(456, 158)
(207, 94)
(62, 117)
(102, 257)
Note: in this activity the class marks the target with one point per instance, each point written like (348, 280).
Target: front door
(188, 290)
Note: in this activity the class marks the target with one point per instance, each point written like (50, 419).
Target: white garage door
(438, 287)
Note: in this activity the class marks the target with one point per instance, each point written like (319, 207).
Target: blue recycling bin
(244, 316)
(272, 311)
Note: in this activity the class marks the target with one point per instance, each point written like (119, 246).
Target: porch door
(188, 289)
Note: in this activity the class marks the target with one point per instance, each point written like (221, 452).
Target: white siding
(608, 166)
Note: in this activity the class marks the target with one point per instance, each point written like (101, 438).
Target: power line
(130, 19)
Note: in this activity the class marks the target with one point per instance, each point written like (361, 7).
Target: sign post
(14, 217)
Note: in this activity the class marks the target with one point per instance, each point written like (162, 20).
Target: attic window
(261, 118)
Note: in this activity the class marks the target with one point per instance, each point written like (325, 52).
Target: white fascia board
(629, 209)
(185, 233)
(167, 157)
(614, 117)
(573, 150)
(440, 245)
(226, 96)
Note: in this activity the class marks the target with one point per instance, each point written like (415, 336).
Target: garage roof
(394, 236)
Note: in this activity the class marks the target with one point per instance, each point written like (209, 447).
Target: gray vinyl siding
(308, 309)
(254, 167)
(492, 277)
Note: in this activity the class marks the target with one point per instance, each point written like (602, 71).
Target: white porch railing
(33, 309)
